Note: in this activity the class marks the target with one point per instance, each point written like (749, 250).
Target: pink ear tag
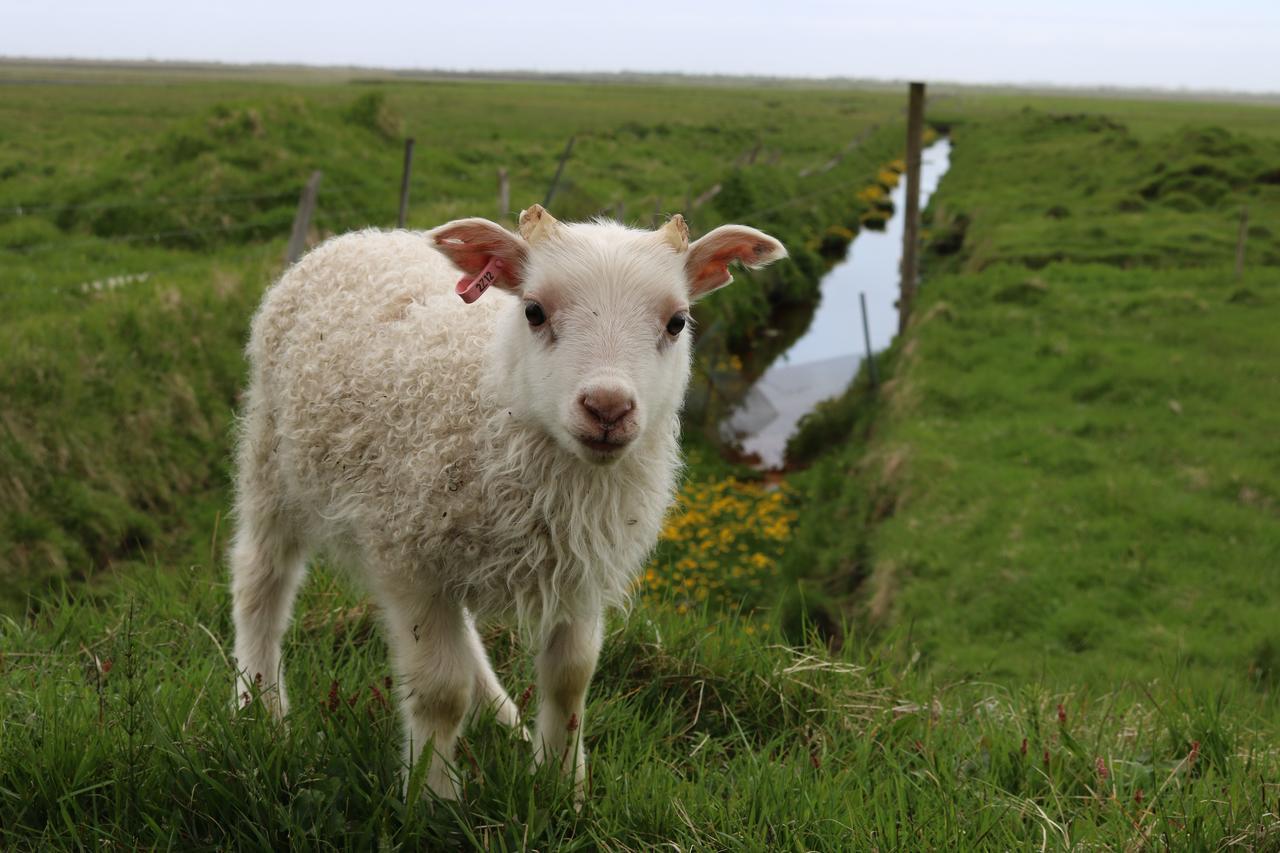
(471, 289)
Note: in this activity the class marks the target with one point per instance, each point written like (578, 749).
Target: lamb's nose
(608, 405)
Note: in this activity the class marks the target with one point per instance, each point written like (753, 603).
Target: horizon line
(551, 75)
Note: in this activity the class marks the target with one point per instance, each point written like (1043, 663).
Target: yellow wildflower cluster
(877, 194)
(872, 194)
(721, 544)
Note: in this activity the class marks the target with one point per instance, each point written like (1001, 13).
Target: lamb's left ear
(474, 244)
(707, 265)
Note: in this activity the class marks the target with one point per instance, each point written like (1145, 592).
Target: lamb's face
(599, 342)
(597, 346)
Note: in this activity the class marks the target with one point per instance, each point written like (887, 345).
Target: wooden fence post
(1241, 239)
(911, 224)
(404, 182)
(504, 194)
(302, 219)
(706, 197)
(555, 182)
(866, 337)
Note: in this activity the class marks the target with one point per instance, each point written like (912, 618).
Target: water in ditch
(825, 359)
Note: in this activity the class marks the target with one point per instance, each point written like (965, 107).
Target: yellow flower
(722, 542)
(871, 194)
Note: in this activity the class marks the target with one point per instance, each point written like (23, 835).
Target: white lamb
(512, 455)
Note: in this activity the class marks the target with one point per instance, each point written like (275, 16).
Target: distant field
(1021, 597)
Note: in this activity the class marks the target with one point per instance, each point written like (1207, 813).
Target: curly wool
(377, 427)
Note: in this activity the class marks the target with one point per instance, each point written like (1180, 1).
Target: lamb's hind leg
(436, 664)
(267, 566)
(489, 692)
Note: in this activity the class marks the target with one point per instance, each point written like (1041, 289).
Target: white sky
(1206, 44)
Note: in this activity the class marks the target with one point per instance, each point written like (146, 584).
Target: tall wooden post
(866, 339)
(404, 182)
(911, 224)
(302, 219)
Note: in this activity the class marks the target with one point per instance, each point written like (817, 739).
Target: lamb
(503, 454)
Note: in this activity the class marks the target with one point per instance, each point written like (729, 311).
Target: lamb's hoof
(269, 700)
(441, 785)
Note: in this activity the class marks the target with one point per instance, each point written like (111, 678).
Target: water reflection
(822, 362)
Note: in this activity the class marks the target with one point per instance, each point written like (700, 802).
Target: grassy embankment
(704, 730)
(1073, 474)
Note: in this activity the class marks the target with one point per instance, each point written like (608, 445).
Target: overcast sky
(1225, 44)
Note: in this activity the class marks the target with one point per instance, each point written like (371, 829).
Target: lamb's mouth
(603, 444)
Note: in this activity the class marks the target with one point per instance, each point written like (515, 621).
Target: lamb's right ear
(474, 244)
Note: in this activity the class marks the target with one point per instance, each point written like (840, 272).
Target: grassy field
(1019, 598)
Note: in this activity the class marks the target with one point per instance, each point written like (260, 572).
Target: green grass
(1086, 186)
(1035, 565)
(118, 731)
(1103, 510)
(1072, 475)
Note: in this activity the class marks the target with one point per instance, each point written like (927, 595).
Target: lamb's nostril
(606, 406)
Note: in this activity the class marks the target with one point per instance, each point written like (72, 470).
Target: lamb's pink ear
(475, 244)
(707, 264)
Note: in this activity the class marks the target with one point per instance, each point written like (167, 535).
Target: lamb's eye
(534, 314)
(675, 325)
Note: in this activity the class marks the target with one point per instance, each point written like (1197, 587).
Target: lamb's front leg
(565, 666)
(436, 666)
